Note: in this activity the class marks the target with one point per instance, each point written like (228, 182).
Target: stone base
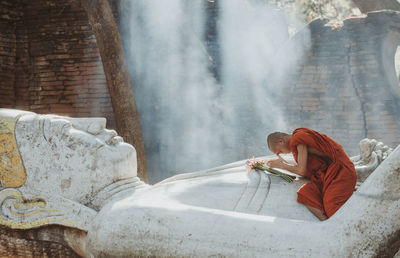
(46, 241)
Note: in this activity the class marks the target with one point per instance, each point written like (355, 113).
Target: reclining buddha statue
(73, 172)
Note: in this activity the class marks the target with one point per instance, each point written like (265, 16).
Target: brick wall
(54, 65)
(10, 14)
(49, 63)
(345, 86)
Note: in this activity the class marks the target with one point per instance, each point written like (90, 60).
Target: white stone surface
(195, 217)
(72, 157)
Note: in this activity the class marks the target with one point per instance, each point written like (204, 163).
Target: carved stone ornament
(12, 171)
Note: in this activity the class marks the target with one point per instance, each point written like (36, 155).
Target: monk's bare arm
(299, 168)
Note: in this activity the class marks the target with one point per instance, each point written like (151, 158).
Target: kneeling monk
(322, 160)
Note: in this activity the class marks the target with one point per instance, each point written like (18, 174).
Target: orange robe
(332, 181)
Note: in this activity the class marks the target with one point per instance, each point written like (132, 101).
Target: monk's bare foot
(317, 212)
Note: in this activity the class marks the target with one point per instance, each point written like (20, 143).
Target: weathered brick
(51, 83)
(76, 82)
(51, 92)
(45, 101)
(75, 90)
(99, 90)
(33, 107)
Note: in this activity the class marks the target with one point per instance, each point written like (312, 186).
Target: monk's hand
(275, 163)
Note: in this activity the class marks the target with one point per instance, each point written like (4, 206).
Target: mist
(195, 115)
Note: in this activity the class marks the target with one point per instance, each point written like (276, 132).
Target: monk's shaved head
(273, 138)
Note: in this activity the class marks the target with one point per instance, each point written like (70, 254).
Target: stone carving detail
(372, 153)
(19, 212)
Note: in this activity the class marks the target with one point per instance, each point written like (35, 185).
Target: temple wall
(10, 14)
(52, 64)
(346, 85)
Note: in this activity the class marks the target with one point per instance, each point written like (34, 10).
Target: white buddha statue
(76, 173)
